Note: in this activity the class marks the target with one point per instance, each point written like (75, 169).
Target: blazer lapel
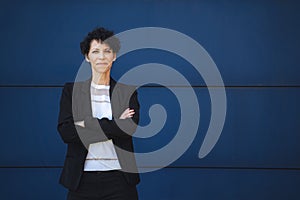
(82, 106)
(114, 100)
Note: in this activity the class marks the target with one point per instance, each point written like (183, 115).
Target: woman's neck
(101, 78)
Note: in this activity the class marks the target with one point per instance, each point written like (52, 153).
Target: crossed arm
(128, 113)
(91, 130)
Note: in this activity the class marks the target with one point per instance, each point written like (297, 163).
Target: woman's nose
(101, 55)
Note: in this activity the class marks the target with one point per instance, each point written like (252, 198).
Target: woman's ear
(115, 57)
(87, 58)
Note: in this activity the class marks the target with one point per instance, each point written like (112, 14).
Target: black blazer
(75, 105)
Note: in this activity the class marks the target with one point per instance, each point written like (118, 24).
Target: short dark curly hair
(103, 35)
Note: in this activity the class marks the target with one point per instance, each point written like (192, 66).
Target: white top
(101, 155)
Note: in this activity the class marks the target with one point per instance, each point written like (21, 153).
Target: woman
(96, 120)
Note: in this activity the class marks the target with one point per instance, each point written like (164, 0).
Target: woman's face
(101, 57)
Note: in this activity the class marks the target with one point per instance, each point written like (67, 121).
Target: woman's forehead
(99, 44)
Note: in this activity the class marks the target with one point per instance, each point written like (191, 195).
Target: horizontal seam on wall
(165, 86)
(169, 167)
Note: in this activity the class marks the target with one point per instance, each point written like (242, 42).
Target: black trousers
(110, 185)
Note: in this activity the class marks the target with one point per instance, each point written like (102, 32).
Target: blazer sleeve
(66, 127)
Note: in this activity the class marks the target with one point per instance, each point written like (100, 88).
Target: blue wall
(255, 45)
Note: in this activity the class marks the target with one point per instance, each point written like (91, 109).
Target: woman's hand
(80, 123)
(128, 113)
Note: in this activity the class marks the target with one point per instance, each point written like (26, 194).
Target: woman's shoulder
(125, 87)
(70, 85)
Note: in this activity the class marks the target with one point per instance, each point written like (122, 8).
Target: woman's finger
(128, 113)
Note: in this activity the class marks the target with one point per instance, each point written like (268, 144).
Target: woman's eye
(95, 51)
(107, 51)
